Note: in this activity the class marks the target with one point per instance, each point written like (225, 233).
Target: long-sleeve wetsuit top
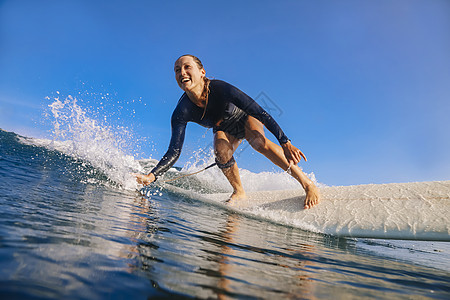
(222, 99)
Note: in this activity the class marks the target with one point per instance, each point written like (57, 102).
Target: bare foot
(235, 197)
(312, 196)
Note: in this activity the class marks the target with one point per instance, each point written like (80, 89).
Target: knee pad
(226, 165)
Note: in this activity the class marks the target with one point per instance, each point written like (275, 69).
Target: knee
(223, 155)
(259, 144)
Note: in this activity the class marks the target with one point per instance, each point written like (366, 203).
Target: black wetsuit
(226, 103)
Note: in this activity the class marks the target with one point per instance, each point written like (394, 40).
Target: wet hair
(197, 60)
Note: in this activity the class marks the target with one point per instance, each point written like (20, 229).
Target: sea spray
(77, 134)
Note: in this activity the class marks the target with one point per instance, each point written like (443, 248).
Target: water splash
(106, 148)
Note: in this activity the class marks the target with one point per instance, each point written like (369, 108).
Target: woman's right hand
(144, 179)
(292, 153)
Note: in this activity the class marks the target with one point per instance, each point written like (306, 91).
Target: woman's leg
(224, 147)
(254, 134)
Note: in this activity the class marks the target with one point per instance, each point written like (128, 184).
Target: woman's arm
(172, 154)
(174, 151)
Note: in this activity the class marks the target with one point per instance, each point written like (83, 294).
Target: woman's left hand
(292, 153)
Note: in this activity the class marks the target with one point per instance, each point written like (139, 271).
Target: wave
(99, 153)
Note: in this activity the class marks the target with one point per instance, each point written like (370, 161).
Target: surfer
(233, 116)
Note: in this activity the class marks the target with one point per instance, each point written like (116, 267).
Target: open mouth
(184, 80)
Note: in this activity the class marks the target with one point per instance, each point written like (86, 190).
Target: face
(187, 73)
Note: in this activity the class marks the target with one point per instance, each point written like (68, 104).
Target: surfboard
(419, 211)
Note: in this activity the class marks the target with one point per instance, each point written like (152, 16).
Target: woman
(233, 116)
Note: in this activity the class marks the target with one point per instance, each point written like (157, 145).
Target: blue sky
(362, 87)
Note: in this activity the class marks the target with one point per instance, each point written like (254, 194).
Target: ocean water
(73, 225)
